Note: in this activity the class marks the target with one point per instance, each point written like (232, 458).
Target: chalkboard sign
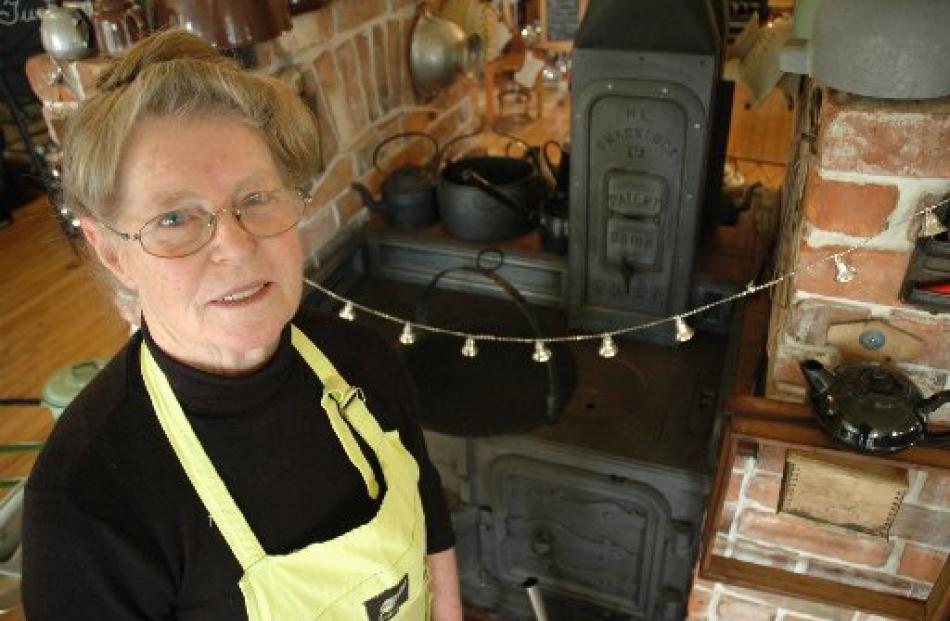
(560, 18)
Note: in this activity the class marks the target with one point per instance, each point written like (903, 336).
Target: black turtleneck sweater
(113, 529)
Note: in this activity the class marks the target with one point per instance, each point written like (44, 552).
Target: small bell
(541, 352)
(683, 331)
(347, 312)
(408, 337)
(608, 349)
(932, 224)
(469, 350)
(750, 287)
(843, 271)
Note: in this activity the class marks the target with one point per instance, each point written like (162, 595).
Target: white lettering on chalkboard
(11, 13)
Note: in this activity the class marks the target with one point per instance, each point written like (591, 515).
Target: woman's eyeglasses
(183, 231)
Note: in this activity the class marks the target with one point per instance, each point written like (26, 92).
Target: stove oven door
(589, 539)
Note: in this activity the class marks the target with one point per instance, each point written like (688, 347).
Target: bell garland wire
(606, 337)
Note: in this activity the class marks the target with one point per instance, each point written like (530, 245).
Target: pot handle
(422, 313)
(430, 165)
(486, 186)
(925, 407)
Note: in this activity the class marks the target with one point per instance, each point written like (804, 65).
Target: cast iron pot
(872, 408)
(489, 198)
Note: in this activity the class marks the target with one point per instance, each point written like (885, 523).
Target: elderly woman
(239, 458)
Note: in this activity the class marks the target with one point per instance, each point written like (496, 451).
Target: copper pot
(226, 24)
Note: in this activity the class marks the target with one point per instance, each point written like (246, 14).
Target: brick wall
(906, 562)
(868, 166)
(349, 61)
(862, 167)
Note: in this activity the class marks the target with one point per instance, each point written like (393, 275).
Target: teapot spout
(819, 378)
(368, 200)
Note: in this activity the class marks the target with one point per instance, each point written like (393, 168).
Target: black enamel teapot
(872, 408)
(409, 191)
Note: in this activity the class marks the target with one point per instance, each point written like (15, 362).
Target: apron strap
(337, 394)
(201, 472)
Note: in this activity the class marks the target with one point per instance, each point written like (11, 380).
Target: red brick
(381, 66)
(921, 563)
(348, 204)
(923, 525)
(406, 88)
(794, 604)
(761, 555)
(873, 580)
(771, 458)
(313, 27)
(788, 531)
(878, 278)
(736, 609)
(318, 229)
(353, 13)
(348, 65)
(314, 97)
(886, 137)
(936, 490)
(735, 485)
(786, 369)
(698, 601)
(395, 61)
(334, 181)
(368, 75)
(933, 330)
(764, 489)
(336, 98)
(809, 320)
(726, 517)
(417, 121)
(849, 208)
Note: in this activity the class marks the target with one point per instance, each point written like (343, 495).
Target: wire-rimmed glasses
(185, 230)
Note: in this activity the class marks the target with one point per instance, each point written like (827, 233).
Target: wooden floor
(53, 312)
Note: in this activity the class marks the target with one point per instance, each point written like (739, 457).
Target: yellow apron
(375, 572)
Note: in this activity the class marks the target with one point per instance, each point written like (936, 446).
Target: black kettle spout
(368, 200)
(819, 378)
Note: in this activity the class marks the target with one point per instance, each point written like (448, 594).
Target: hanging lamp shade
(226, 24)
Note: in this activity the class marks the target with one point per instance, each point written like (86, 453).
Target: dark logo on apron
(385, 605)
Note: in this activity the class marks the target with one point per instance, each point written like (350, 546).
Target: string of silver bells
(608, 347)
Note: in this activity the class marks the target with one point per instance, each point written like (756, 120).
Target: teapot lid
(874, 399)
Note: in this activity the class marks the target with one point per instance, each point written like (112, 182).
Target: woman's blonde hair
(176, 74)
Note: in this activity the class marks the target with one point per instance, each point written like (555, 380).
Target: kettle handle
(931, 403)
(430, 165)
(547, 158)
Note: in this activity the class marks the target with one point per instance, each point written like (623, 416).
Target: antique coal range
(649, 126)
(604, 505)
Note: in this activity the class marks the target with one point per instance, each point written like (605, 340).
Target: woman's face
(223, 307)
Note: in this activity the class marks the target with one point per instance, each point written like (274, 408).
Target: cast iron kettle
(872, 408)
(408, 192)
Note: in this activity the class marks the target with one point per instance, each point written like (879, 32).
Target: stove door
(585, 537)
(635, 214)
